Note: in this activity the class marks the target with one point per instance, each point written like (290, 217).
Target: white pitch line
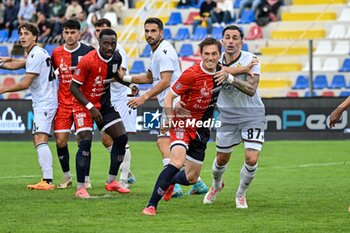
(18, 177)
(309, 165)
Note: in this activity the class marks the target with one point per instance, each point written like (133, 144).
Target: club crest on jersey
(98, 81)
(114, 68)
(77, 72)
(178, 86)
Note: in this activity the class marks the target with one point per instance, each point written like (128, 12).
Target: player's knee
(61, 142)
(120, 141)
(192, 178)
(106, 140)
(222, 159)
(251, 157)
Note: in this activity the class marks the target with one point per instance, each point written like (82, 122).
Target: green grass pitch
(301, 186)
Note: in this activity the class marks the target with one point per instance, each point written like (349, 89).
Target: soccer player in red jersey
(65, 58)
(189, 135)
(91, 88)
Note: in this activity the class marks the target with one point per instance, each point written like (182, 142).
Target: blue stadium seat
(302, 82)
(147, 51)
(307, 93)
(138, 67)
(174, 19)
(245, 47)
(5, 72)
(320, 82)
(344, 94)
(338, 82)
(186, 50)
(182, 34)
(4, 34)
(50, 47)
(167, 33)
(4, 51)
(247, 17)
(236, 4)
(14, 37)
(346, 66)
(217, 33)
(1, 97)
(198, 5)
(144, 87)
(19, 72)
(199, 34)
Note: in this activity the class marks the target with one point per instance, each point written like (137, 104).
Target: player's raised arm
(10, 63)
(19, 86)
(139, 79)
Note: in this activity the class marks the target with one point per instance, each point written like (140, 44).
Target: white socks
(166, 161)
(247, 175)
(218, 172)
(125, 166)
(45, 160)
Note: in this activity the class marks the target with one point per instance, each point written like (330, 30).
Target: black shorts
(196, 147)
(110, 117)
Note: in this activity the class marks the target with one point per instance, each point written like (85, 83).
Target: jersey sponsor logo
(151, 120)
(98, 81)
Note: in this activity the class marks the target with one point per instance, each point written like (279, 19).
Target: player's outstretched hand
(220, 76)
(136, 102)
(180, 110)
(253, 62)
(96, 115)
(335, 116)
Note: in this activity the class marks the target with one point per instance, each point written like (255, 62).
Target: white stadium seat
(331, 64)
(337, 32)
(323, 47)
(341, 47)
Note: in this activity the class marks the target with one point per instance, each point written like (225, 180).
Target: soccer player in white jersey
(119, 99)
(242, 114)
(164, 70)
(40, 79)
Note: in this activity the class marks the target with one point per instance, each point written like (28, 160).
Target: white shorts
(230, 135)
(43, 119)
(127, 114)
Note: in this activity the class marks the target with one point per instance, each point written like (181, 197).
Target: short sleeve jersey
(235, 105)
(65, 62)
(43, 88)
(198, 90)
(119, 91)
(164, 58)
(95, 73)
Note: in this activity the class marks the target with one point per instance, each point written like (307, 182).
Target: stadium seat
(236, 4)
(14, 37)
(146, 51)
(344, 94)
(302, 82)
(13, 96)
(190, 18)
(186, 50)
(1, 97)
(4, 51)
(5, 72)
(8, 81)
(199, 34)
(292, 94)
(245, 47)
(182, 34)
(247, 17)
(19, 71)
(337, 32)
(347, 35)
(217, 33)
(341, 47)
(320, 82)
(344, 15)
(174, 19)
(307, 94)
(346, 65)
(144, 87)
(328, 94)
(254, 33)
(167, 34)
(323, 47)
(330, 64)
(49, 48)
(338, 82)
(138, 67)
(316, 64)
(4, 34)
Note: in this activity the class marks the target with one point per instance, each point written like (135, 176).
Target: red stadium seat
(8, 81)
(328, 94)
(190, 18)
(255, 32)
(292, 94)
(13, 96)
